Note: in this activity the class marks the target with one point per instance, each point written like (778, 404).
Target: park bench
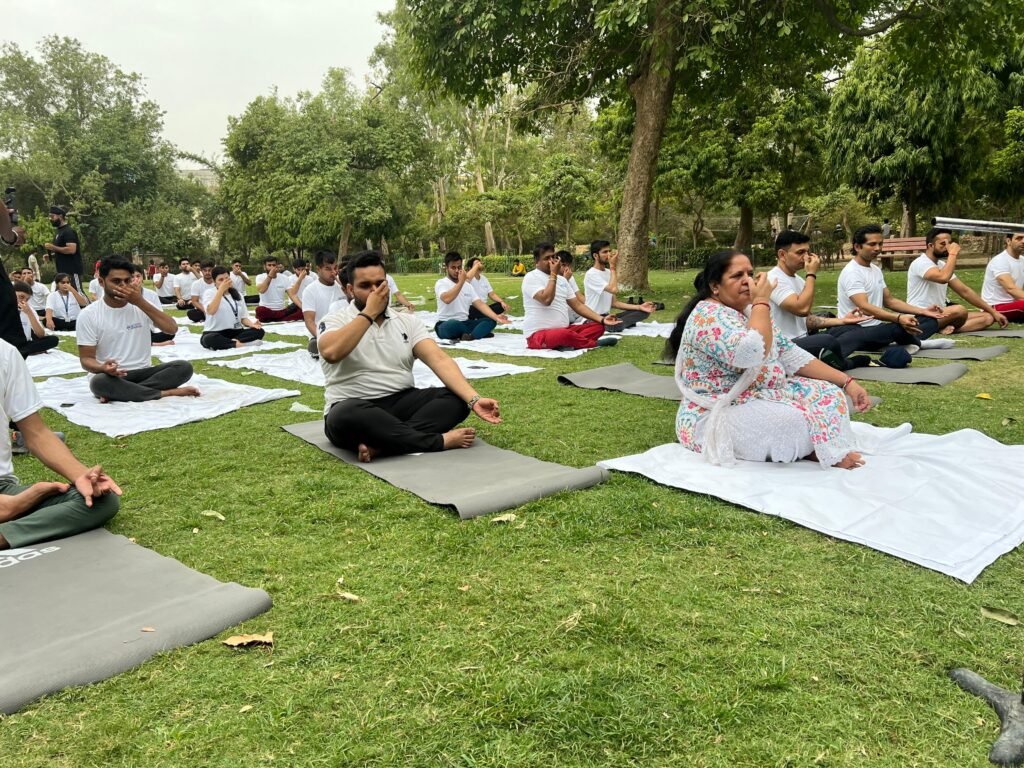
(909, 248)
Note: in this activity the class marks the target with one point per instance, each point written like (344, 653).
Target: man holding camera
(66, 250)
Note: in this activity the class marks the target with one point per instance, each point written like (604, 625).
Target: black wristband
(368, 318)
(812, 274)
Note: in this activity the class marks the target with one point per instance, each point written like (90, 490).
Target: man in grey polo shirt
(371, 405)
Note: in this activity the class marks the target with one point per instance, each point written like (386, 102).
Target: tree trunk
(910, 213)
(346, 232)
(385, 249)
(568, 234)
(369, 244)
(489, 245)
(519, 241)
(745, 233)
(652, 92)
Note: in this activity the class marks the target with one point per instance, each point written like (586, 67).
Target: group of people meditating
(749, 354)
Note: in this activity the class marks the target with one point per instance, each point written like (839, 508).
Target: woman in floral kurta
(774, 404)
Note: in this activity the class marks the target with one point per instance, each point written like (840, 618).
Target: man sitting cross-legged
(932, 271)
(547, 301)
(601, 284)
(367, 353)
(887, 319)
(320, 295)
(1004, 279)
(456, 295)
(273, 286)
(36, 341)
(44, 511)
(114, 342)
(200, 286)
(793, 298)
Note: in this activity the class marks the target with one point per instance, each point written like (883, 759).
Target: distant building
(204, 176)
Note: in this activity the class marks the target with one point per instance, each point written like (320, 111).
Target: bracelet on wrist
(848, 380)
(473, 401)
(368, 318)
(813, 274)
(760, 304)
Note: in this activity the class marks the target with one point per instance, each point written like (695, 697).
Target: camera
(11, 206)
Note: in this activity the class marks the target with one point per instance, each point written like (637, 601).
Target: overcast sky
(205, 60)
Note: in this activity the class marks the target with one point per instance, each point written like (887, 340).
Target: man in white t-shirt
(302, 279)
(792, 300)
(319, 296)
(456, 296)
(932, 272)
(887, 320)
(484, 290)
(44, 511)
(240, 282)
(601, 284)
(367, 352)
(202, 284)
(114, 342)
(547, 301)
(567, 270)
(1004, 279)
(272, 286)
(39, 291)
(187, 274)
(163, 281)
(95, 289)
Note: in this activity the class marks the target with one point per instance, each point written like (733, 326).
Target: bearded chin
(360, 305)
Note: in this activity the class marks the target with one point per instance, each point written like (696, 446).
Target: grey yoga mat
(624, 377)
(1001, 333)
(915, 374)
(963, 353)
(82, 609)
(495, 479)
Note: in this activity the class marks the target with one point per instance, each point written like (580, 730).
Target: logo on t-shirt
(133, 326)
(22, 555)
(323, 327)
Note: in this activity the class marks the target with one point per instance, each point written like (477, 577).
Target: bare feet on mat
(459, 438)
(104, 400)
(180, 392)
(12, 507)
(366, 453)
(852, 460)
(163, 343)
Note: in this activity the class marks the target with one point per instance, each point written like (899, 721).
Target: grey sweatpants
(57, 517)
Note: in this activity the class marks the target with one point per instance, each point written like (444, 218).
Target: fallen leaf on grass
(983, 396)
(464, 588)
(1000, 615)
(1008, 421)
(348, 597)
(148, 629)
(248, 373)
(245, 709)
(509, 518)
(244, 641)
(211, 513)
(341, 580)
(571, 623)
(195, 530)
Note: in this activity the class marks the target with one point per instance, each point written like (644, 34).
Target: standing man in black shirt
(67, 253)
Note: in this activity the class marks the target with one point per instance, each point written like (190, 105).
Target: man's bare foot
(104, 400)
(948, 330)
(852, 460)
(16, 506)
(459, 438)
(238, 344)
(366, 453)
(180, 392)
(163, 343)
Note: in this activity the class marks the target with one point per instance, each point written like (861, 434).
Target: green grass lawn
(628, 624)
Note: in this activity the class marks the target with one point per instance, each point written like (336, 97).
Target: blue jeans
(455, 329)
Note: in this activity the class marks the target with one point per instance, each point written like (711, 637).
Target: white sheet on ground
(512, 344)
(291, 328)
(430, 320)
(186, 346)
(946, 502)
(53, 363)
(72, 399)
(651, 330)
(299, 366)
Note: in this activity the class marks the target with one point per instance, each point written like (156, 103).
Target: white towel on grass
(299, 366)
(511, 344)
(430, 320)
(72, 399)
(186, 346)
(54, 363)
(651, 330)
(291, 328)
(952, 503)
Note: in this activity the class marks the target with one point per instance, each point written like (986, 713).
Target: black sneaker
(607, 341)
(857, 361)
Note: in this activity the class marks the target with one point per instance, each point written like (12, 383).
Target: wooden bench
(907, 247)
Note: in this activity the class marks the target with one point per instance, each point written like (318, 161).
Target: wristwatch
(473, 401)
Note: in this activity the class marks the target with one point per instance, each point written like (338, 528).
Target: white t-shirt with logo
(791, 326)
(38, 298)
(540, 317)
(856, 279)
(922, 292)
(118, 333)
(458, 308)
(229, 312)
(183, 282)
(380, 364)
(1003, 264)
(594, 284)
(18, 399)
(318, 298)
(274, 297)
(64, 305)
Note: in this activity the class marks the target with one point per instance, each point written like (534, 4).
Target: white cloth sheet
(186, 346)
(291, 328)
(299, 366)
(650, 330)
(53, 363)
(946, 502)
(72, 399)
(512, 344)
